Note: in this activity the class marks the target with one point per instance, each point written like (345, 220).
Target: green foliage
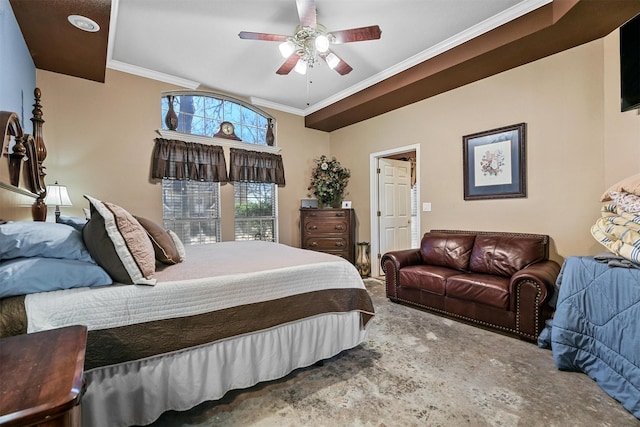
(329, 180)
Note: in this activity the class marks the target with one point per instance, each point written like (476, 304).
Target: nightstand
(42, 377)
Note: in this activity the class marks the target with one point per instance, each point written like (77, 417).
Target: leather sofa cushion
(426, 277)
(481, 288)
(505, 255)
(447, 250)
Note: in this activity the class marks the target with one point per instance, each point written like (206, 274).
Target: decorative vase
(363, 262)
(171, 119)
(270, 138)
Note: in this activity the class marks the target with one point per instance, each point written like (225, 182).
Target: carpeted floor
(419, 369)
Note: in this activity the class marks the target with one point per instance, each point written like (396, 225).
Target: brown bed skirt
(137, 341)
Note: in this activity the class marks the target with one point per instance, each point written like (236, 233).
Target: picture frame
(346, 204)
(494, 163)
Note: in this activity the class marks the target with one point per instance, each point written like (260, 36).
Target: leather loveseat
(498, 280)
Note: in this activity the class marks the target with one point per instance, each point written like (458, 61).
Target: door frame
(376, 270)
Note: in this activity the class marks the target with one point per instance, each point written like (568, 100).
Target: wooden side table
(41, 377)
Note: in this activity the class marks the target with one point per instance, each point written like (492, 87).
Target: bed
(181, 326)
(596, 326)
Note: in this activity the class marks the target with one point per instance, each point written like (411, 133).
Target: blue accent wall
(17, 71)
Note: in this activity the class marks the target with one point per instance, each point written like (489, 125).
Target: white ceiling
(195, 42)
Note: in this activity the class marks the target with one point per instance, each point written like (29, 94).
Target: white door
(394, 210)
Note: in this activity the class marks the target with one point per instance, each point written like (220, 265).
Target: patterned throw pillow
(119, 244)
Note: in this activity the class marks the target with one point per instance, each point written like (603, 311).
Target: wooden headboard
(22, 186)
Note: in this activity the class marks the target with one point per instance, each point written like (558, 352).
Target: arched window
(200, 113)
(255, 204)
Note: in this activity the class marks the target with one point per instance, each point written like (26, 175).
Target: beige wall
(100, 139)
(561, 99)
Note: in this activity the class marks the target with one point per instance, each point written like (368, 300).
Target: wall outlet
(426, 207)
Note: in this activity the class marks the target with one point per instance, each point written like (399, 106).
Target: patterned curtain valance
(254, 166)
(188, 161)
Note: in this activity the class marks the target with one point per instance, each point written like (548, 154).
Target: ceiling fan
(312, 40)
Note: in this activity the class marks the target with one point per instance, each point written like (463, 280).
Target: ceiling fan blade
(342, 67)
(307, 13)
(357, 34)
(288, 65)
(262, 36)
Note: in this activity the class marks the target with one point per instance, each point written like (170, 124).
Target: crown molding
(276, 106)
(150, 74)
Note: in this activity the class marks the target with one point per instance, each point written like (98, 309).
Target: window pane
(249, 117)
(197, 126)
(211, 127)
(194, 104)
(191, 210)
(255, 229)
(248, 134)
(232, 112)
(255, 211)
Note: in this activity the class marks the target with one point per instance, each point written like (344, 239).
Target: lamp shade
(57, 195)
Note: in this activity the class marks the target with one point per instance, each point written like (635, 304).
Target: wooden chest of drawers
(329, 230)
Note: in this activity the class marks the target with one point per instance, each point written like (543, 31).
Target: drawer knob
(339, 227)
(313, 244)
(339, 213)
(313, 227)
(339, 244)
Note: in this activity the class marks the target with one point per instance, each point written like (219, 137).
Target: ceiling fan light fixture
(332, 60)
(301, 66)
(322, 43)
(287, 48)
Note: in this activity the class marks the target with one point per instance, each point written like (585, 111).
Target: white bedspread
(213, 277)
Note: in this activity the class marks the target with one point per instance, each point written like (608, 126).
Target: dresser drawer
(334, 226)
(326, 243)
(324, 214)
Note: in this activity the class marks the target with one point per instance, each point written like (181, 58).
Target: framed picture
(494, 163)
(346, 204)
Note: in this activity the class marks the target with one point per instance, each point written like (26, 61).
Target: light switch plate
(426, 207)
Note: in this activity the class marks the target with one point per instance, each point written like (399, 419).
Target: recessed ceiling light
(84, 23)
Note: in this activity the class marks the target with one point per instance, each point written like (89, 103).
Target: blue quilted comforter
(596, 326)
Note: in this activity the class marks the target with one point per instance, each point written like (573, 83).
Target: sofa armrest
(392, 262)
(543, 273)
(530, 289)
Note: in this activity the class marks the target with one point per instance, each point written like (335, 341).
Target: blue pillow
(42, 239)
(72, 221)
(23, 276)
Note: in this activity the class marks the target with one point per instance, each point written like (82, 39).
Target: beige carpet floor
(419, 369)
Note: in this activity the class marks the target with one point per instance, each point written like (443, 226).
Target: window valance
(255, 166)
(182, 160)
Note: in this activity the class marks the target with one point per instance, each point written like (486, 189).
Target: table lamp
(57, 195)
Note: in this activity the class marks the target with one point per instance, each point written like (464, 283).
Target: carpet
(419, 369)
